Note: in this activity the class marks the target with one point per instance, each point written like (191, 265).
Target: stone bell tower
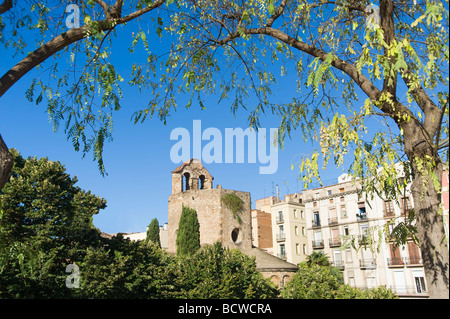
(192, 186)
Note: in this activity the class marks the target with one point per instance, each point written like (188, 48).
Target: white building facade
(290, 241)
(350, 230)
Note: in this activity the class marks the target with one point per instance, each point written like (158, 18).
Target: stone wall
(216, 221)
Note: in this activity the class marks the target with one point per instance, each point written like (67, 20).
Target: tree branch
(105, 7)
(60, 42)
(277, 13)
(6, 163)
(5, 6)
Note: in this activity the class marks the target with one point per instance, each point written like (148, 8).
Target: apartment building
(347, 227)
(290, 241)
(262, 230)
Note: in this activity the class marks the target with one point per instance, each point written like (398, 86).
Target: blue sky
(138, 160)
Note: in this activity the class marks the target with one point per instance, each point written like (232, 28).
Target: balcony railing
(281, 237)
(414, 261)
(388, 213)
(332, 221)
(409, 290)
(338, 264)
(335, 242)
(367, 263)
(316, 223)
(404, 261)
(280, 219)
(364, 240)
(317, 244)
(361, 217)
(392, 262)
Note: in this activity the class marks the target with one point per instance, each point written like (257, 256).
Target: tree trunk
(431, 235)
(6, 163)
(428, 216)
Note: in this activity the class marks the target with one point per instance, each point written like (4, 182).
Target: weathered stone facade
(216, 221)
(192, 187)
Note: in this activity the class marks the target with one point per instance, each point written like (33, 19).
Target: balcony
(338, 264)
(332, 221)
(388, 213)
(281, 237)
(361, 217)
(335, 242)
(409, 291)
(317, 244)
(280, 219)
(396, 262)
(316, 223)
(414, 261)
(368, 263)
(364, 240)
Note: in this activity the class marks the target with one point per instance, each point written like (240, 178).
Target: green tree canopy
(188, 234)
(314, 281)
(153, 233)
(215, 272)
(45, 224)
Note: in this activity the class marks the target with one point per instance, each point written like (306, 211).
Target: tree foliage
(215, 272)
(371, 89)
(153, 233)
(321, 282)
(371, 83)
(45, 224)
(188, 234)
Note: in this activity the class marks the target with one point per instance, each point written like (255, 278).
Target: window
(186, 177)
(281, 231)
(280, 216)
(295, 213)
(348, 255)
(405, 204)
(342, 199)
(419, 281)
(315, 204)
(337, 257)
(302, 214)
(364, 229)
(341, 190)
(316, 219)
(396, 258)
(297, 249)
(420, 285)
(388, 208)
(343, 211)
(414, 253)
(331, 201)
(362, 213)
(296, 230)
(346, 231)
(389, 205)
(201, 182)
(303, 231)
(329, 193)
(282, 253)
(316, 195)
(304, 249)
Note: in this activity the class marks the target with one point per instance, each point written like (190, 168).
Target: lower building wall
(279, 278)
